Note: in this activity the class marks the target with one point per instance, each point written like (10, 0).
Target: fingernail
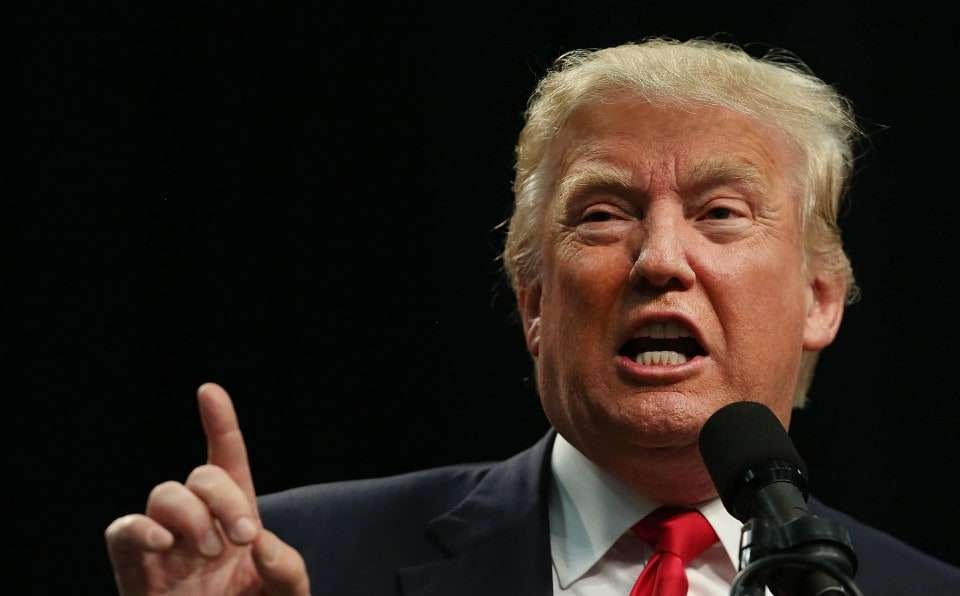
(210, 544)
(243, 530)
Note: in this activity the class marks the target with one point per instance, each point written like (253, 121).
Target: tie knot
(683, 532)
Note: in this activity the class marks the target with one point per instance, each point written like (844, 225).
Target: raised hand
(204, 537)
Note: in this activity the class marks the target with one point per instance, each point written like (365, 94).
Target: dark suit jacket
(483, 530)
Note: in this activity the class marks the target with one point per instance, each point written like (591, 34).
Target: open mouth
(662, 343)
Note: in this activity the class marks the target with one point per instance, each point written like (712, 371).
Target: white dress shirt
(594, 554)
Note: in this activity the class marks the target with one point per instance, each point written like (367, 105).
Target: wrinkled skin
(678, 212)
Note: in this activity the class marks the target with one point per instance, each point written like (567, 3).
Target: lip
(659, 374)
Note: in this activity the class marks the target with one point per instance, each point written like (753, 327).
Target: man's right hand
(204, 537)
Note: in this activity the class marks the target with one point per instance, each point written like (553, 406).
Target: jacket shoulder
(444, 486)
(364, 528)
(888, 566)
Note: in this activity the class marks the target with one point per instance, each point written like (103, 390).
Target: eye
(720, 213)
(597, 216)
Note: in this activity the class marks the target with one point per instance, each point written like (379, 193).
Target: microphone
(762, 481)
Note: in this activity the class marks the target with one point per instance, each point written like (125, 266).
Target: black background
(299, 204)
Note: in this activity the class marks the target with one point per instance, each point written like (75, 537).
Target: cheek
(760, 307)
(584, 286)
(581, 306)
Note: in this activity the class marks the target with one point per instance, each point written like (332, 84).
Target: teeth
(664, 330)
(667, 357)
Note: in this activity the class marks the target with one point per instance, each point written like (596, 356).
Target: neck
(670, 476)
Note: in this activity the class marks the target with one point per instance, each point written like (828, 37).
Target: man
(673, 249)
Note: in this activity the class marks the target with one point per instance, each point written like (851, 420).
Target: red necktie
(678, 536)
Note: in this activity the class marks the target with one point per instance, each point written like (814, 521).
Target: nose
(662, 259)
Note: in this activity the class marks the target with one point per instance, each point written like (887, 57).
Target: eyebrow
(707, 173)
(595, 175)
(713, 172)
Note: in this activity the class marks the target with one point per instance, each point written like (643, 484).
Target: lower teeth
(662, 357)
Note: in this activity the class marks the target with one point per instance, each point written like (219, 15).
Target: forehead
(671, 144)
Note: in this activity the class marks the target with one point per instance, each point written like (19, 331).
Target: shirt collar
(590, 510)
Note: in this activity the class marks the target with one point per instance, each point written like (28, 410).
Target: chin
(669, 475)
(659, 421)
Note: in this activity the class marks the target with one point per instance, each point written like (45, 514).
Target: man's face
(673, 283)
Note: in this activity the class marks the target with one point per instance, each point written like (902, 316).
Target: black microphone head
(745, 447)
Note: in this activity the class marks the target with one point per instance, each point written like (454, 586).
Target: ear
(826, 296)
(529, 302)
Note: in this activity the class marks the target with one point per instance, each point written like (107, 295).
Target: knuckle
(205, 478)
(170, 498)
(215, 488)
(119, 527)
(164, 491)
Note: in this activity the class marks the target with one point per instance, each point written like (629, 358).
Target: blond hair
(777, 90)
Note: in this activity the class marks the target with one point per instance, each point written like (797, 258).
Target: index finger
(225, 446)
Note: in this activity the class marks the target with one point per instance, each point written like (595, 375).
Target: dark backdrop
(299, 204)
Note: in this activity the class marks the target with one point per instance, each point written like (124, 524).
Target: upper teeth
(663, 330)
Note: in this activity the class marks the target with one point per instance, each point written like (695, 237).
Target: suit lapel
(497, 540)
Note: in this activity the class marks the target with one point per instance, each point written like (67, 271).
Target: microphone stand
(796, 555)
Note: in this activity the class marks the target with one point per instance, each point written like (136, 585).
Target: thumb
(280, 566)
